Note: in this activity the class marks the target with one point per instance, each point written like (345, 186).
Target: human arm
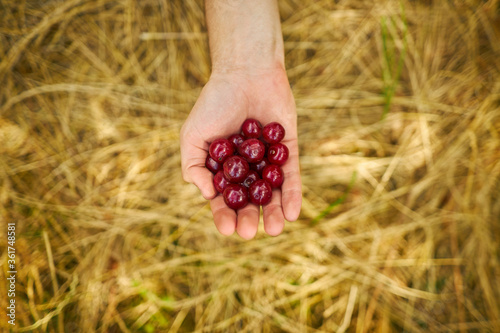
(248, 80)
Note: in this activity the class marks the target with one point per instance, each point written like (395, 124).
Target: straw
(399, 129)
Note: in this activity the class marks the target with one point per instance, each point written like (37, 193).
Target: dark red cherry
(277, 153)
(252, 150)
(273, 132)
(251, 178)
(212, 165)
(236, 140)
(236, 169)
(260, 192)
(235, 196)
(273, 175)
(259, 166)
(251, 128)
(221, 149)
(220, 182)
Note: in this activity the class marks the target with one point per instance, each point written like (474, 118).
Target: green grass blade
(337, 202)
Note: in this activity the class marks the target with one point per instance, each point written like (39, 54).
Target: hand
(225, 102)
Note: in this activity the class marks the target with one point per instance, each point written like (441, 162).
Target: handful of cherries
(247, 166)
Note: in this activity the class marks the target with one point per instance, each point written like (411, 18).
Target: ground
(399, 127)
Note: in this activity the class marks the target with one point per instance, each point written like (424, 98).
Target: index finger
(224, 217)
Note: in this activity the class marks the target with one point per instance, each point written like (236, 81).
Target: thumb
(203, 179)
(193, 156)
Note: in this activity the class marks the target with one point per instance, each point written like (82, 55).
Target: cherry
(260, 192)
(251, 128)
(273, 175)
(235, 196)
(236, 169)
(252, 150)
(220, 182)
(277, 153)
(221, 149)
(236, 140)
(251, 178)
(259, 166)
(212, 165)
(273, 132)
(240, 161)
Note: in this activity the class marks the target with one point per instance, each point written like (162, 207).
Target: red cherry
(212, 165)
(236, 169)
(221, 149)
(259, 166)
(251, 178)
(252, 150)
(260, 192)
(220, 182)
(236, 140)
(277, 154)
(273, 132)
(251, 128)
(235, 196)
(273, 175)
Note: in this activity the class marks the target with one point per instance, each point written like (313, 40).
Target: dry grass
(400, 98)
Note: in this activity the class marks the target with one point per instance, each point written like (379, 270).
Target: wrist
(251, 76)
(244, 36)
(247, 68)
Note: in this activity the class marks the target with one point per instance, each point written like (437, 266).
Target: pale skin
(248, 80)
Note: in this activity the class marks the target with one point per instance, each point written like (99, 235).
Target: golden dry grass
(399, 115)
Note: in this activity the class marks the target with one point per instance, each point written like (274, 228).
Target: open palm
(224, 104)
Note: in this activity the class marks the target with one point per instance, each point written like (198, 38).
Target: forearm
(244, 35)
